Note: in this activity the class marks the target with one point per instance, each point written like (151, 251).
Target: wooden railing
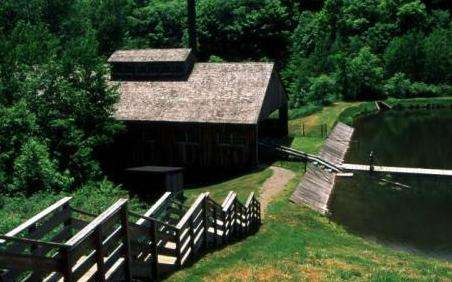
(65, 243)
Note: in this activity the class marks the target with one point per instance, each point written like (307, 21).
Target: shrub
(364, 75)
(398, 86)
(322, 91)
(35, 170)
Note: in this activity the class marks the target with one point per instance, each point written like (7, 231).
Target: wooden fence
(63, 243)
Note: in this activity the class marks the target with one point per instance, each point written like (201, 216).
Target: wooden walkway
(63, 243)
(397, 170)
(317, 184)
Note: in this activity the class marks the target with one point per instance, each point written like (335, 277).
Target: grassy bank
(297, 244)
(353, 112)
(310, 125)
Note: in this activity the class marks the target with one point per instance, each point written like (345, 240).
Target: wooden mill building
(195, 115)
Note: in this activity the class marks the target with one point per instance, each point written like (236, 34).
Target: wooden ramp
(317, 184)
(63, 243)
(397, 170)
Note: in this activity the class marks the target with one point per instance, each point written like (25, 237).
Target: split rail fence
(63, 243)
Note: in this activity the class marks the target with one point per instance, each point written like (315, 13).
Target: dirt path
(274, 185)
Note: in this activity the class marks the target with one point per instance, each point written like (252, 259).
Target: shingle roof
(149, 55)
(213, 93)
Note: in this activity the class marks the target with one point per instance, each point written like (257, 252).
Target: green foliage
(411, 15)
(404, 54)
(93, 197)
(363, 75)
(438, 56)
(362, 44)
(398, 86)
(34, 170)
(322, 91)
(234, 29)
(55, 106)
(215, 59)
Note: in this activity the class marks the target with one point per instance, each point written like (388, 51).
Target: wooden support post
(191, 233)
(215, 236)
(100, 254)
(66, 258)
(206, 222)
(178, 249)
(126, 242)
(155, 255)
(33, 250)
(225, 237)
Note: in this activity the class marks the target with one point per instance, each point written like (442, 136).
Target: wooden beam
(89, 229)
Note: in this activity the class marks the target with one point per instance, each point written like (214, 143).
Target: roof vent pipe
(191, 6)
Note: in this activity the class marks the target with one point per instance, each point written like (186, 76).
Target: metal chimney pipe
(191, 7)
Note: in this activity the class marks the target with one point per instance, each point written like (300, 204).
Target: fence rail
(60, 244)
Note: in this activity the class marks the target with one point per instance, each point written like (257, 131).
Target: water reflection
(407, 212)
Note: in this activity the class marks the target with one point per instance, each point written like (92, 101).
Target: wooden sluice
(317, 184)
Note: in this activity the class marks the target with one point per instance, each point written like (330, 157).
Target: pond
(406, 212)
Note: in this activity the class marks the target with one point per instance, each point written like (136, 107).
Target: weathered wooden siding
(146, 143)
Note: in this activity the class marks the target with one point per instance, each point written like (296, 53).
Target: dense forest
(56, 105)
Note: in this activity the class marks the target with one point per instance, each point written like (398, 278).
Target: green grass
(298, 244)
(242, 185)
(328, 115)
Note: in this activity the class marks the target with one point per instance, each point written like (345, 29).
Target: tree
(322, 91)
(364, 76)
(437, 50)
(404, 54)
(34, 170)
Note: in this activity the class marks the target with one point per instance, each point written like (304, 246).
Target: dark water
(405, 212)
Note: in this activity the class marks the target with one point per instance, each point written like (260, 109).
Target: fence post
(192, 235)
(215, 236)
(206, 223)
(178, 249)
(155, 256)
(33, 250)
(126, 241)
(100, 274)
(66, 264)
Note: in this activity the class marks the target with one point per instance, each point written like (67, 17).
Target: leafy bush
(34, 170)
(364, 76)
(323, 90)
(93, 197)
(398, 86)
